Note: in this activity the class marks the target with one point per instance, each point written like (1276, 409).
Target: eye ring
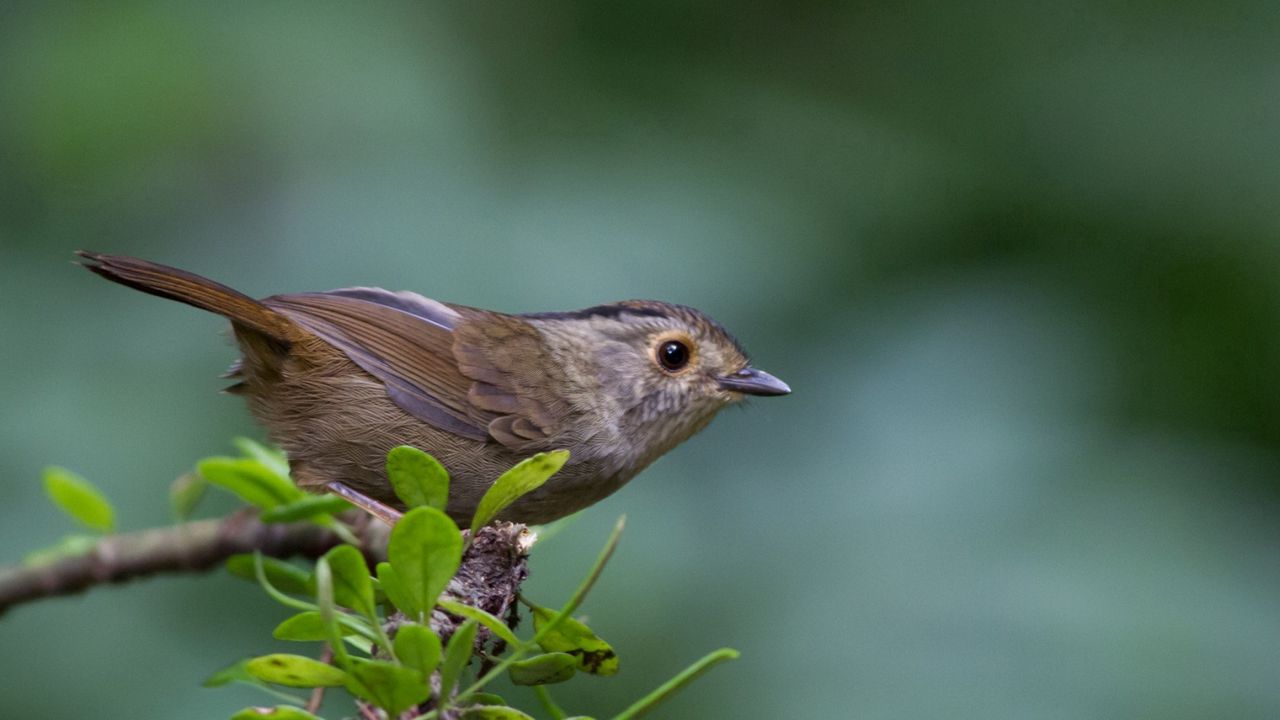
(673, 355)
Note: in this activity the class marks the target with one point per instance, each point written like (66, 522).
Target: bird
(339, 378)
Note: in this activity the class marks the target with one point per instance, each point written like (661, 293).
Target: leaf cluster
(375, 624)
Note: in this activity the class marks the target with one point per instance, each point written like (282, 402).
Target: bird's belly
(339, 426)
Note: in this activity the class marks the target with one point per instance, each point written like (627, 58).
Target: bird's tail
(189, 288)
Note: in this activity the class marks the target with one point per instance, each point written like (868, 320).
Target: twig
(189, 547)
(317, 694)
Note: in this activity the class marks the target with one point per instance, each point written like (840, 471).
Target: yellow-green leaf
(594, 655)
(416, 646)
(544, 669)
(457, 655)
(79, 498)
(306, 626)
(417, 478)
(295, 671)
(392, 687)
(273, 458)
(306, 508)
(527, 476)
(393, 588)
(250, 480)
(352, 587)
(425, 550)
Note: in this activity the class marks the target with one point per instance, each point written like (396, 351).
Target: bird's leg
(380, 510)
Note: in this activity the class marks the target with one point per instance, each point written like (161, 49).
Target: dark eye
(673, 355)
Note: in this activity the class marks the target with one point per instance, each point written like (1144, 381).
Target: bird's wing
(403, 339)
(515, 377)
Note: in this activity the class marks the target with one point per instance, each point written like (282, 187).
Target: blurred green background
(1018, 261)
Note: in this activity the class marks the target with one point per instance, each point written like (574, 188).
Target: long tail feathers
(193, 290)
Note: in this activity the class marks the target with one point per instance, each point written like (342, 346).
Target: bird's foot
(376, 508)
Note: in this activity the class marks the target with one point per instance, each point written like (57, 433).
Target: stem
(544, 697)
(670, 687)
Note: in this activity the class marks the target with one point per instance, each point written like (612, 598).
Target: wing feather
(405, 343)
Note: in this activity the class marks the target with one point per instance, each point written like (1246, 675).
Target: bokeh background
(1018, 261)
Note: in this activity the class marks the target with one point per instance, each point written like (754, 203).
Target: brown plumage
(339, 378)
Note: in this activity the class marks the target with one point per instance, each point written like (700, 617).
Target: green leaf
(418, 479)
(78, 498)
(416, 646)
(306, 626)
(286, 577)
(670, 687)
(457, 655)
(487, 699)
(496, 626)
(392, 687)
(306, 508)
(352, 587)
(185, 493)
(573, 637)
(494, 712)
(425, 550)
(237, 673)
(250, 480)
(279, 712)
(273, 458)
(543, 669)
(295, 671)
(329, 614)
(519, 480)
(393, 588)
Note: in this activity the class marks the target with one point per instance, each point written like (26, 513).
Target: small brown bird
(340, 377)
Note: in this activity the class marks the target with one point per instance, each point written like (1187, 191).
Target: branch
(189, 547)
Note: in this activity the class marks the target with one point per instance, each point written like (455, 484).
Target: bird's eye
(673, 355)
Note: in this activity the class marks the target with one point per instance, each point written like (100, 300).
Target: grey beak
(754, 382)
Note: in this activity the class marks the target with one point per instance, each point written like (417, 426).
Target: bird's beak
(754, 382)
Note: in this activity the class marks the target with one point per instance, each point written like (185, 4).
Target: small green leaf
(417, 647)
(185, 493)
(481, 698)
(392, 687)
(457, 655)
(284, 576)
(352, 587)
(494, 712)
(512, 484)
(418, 479)
(306, 508)
(670, 687)
(306, 626)
(496, 626)
(393, 588)
(78, 498)
(69, 546)
(279, 712)
(250, 480)
(573, 637)
(295, 671)
(329, 614)
(545, 669)
(273, 458)
(425, 550)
